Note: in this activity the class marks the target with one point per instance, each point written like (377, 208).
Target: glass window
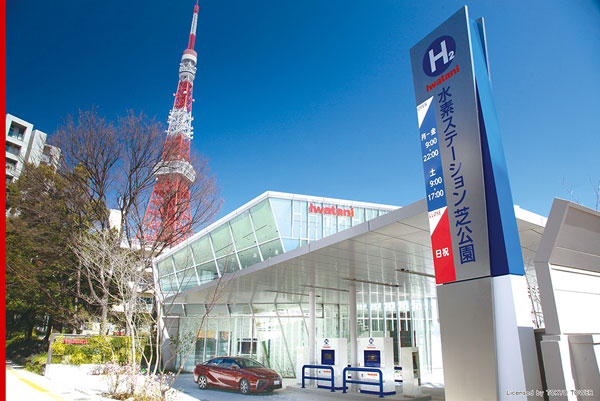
(228, 264)
(289, 310)
(296, 219)
(344, 222)
(195, 309)
(271, 248)
(318, 310)
(249, 257)
(290, 244)
(315, 226)
(249, 363)
(165, 267)
(221, 240)
(227, 363)
(201, 250)
(370, 214)
(264, 223)
(246, 346)
(359, 216)
(282, 209)
(187, 278)
(173, 309)
(219, 310)
(329, 221)
(15, 150)
(207, 272)
(304, 219)
(183, 259)
(210, 344)
(264, 309)
(240, 309)
(168, 283)
(242, 231)
(16, 131)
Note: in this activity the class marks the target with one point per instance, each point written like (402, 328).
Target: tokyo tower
(168, 216)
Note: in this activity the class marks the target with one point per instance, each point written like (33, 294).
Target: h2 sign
(439, 56)
(463, 162)
(447, 110)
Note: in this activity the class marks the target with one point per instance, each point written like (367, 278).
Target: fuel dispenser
(411, 372)
(332, 352)
(377, 353)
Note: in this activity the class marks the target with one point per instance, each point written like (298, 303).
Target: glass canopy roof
(267, 226)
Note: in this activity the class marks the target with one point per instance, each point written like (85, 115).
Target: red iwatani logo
(443, 78)
(331, 210)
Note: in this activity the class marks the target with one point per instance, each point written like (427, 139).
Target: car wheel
(202, 382)
(244, 386)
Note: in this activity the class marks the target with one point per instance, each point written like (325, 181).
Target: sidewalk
(24, 385)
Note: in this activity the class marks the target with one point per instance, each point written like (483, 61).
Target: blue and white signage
(462, 180)
(439, 55)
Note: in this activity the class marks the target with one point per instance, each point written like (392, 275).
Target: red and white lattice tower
(168, 215)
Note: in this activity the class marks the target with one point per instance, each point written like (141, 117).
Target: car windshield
(249, 363)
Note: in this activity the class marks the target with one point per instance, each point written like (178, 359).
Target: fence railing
(328, 367)
(380, 383)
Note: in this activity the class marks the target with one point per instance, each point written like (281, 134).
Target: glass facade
(266, 229)
(273, 332)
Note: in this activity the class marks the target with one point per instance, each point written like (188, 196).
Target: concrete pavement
(293, 392)
(22, 385)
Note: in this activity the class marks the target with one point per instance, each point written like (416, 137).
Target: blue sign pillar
(488, 346)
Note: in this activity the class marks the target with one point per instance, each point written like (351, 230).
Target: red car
(243, 374)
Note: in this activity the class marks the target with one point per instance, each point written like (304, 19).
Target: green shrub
(37, 363)
(99, 349)
(19, 350)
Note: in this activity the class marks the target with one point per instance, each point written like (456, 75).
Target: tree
(117, 162)
(39, 264)
(115, 165)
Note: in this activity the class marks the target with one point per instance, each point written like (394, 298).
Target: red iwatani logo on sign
(331, 210)
(74, 341)
(443, 78)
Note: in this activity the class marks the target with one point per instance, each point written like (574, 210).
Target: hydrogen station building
(462, 288)
(284, 249)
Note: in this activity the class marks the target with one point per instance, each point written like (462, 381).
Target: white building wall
(29, 148)
(35, 147)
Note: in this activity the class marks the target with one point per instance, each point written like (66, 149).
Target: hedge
(99, 349)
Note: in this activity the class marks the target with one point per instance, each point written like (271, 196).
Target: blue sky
(316, 97)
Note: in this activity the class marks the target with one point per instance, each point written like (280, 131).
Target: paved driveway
(291, 392)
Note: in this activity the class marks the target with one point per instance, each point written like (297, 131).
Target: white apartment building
(26, 145)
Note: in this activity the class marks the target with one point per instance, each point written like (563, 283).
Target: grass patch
(37, 363)
(31, 354)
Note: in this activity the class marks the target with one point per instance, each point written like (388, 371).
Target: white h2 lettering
(443, 53)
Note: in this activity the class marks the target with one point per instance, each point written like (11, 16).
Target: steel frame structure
(168, 215)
